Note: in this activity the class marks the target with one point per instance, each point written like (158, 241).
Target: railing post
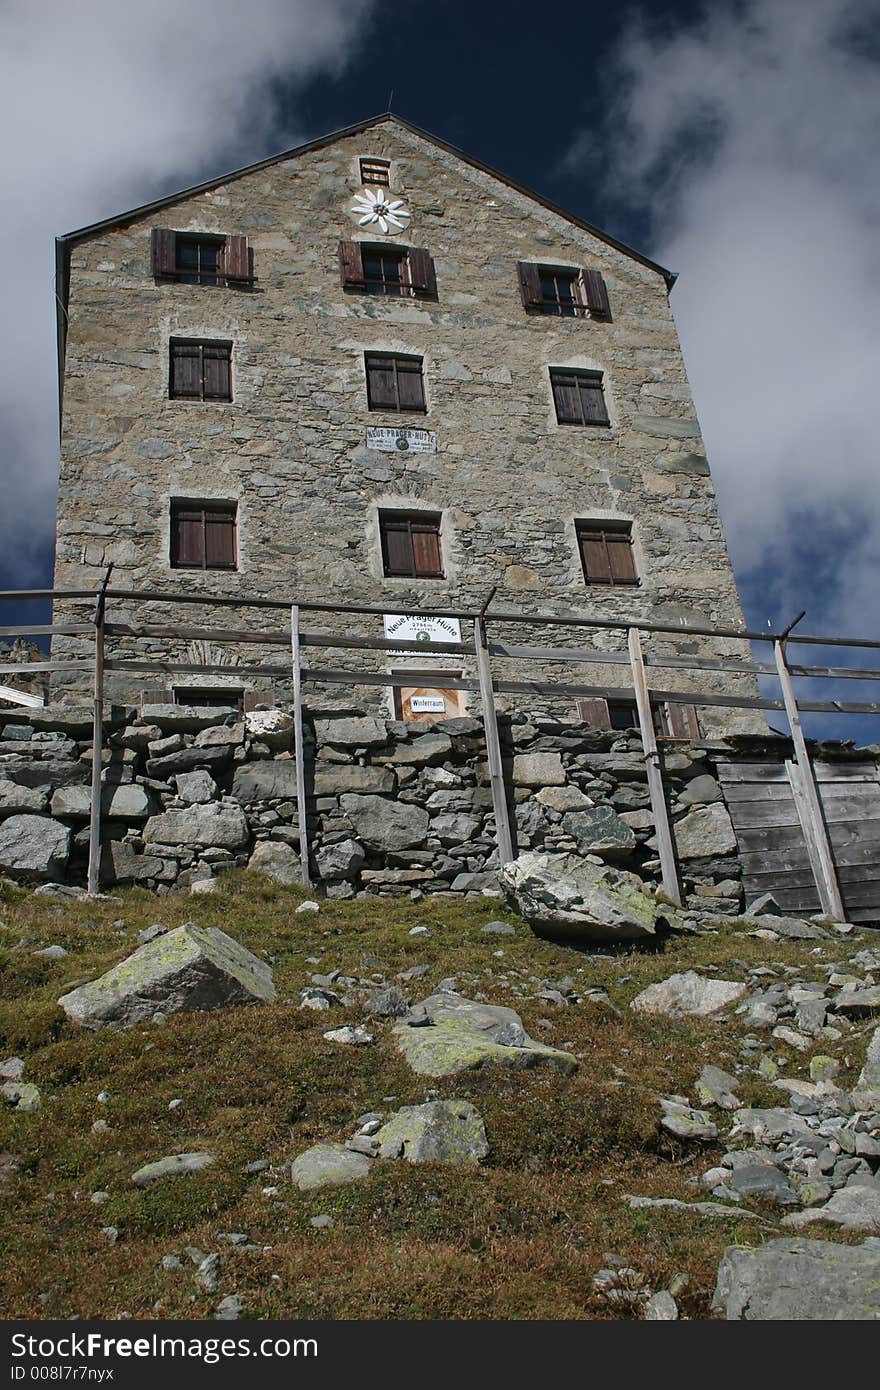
(94, 878)
(301, 810)
(493, 746)
(822, 857)
(668, 867)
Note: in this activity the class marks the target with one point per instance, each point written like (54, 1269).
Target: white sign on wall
(401, 440)
(413, 628)
(427, 704)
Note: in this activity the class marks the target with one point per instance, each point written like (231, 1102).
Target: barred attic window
(199, 371)
(203, 535)
(606, 552)
(376, 171)
(579, 397)
(394, 382)
(411, 545)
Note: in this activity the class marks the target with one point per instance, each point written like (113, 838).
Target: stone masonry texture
(289, 449)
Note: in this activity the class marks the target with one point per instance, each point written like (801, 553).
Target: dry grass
(520, 1237)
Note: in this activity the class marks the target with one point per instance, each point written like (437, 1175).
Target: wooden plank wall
(772, 847)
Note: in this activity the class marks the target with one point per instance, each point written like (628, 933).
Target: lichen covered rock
(563, 895)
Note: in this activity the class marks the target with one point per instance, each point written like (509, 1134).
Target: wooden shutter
(427, 562)
(620, 557)
(597, 295)
(397, 552)
(530, 284)
(594, 713)
(216, 371)
(410, 386)
(252, 698)
(185, 375)
(682, 720)
(381, 383)
(220, 539)
(594, 557)
(156, 697)
(235, 260)
(422, 276)
(188, 537)
(565, 398)
(593, 407)
(162, 251)
(351, 265)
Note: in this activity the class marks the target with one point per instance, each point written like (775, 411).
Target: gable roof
(64, 243)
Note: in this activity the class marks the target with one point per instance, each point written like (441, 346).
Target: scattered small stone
(351, 1037)
(100, 1127)
(150, 933)
(327, 1165)
(321, 1223)
(661, 1307)
(111, 1232)
(22, 1096)
(51, 953)
(498, 929)
(103, 1097)
(308, 906)
(259, 1165)
(313, 997)
(99, 1197)
(229, 1309)
(419, 931)
(171, 1262)
(175, 1165)
(175, 1104)
(208, 1273)
(12, 1069)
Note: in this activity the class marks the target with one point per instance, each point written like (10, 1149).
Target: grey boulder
(600, 831)
(386, 825)
(215, 826)
(278, 860)
(687, 993)
(328, 1165)
(174, 1166)
(188, 969)
(800, 1280)
(705, 833)
(125, 801)
(265, 781)
(340, 861)
(867, 1090)
(22, 801)
(34, 848)
(446, 1034)
(442, 1131)
(564, 895)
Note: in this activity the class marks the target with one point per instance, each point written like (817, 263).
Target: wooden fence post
(808, 804)
(493, 746)
(668, 867)
(94, 878)
(301, 810)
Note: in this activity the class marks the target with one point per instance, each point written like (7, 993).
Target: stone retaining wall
(400, 809)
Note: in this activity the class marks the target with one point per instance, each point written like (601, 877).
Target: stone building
(372, 370)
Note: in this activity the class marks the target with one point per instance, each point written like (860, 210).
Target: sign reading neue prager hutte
(401, 440)
(413, 628)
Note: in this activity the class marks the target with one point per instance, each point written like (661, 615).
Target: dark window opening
(411, 545)
(560, 293)
(200, 371)
(606, 552)
(385, 270)
(376, 171)
(671, 719)
(394, 383)
(579, 397)
(208, 697)
(623, 714)
(198, 260)
(203, 535)
(563, 291)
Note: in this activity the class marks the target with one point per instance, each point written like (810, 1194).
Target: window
(394, 382)
(203, 535)
(200, 371)
(671, 719)
(411, 545)
(208, 697)
(200, 258)
(578, 397)
(563, 291)
(376, 171)
(606, 552)
(387, 269)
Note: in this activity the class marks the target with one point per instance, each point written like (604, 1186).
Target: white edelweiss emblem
(377, 206)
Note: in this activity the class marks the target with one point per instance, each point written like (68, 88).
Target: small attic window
(376, 171)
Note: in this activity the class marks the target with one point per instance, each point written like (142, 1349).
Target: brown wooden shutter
(185, 374)
(595, 411)
(396, 546)
(161, 696)
(410, 385)
(252, 698)
(351, 265)
(565, 398)
(682, 720)
(188, 537)
(235, 260)
(530, 284)
(620, 557)
(216, 369)
(597, 295)
(162, 251)
(594, 556)
(220, 539)
(422, 275)
(381, 383)
(427, 562)
(594, 713)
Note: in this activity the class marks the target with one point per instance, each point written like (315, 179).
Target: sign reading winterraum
(427, 704)
(401, 440)
(407, 627)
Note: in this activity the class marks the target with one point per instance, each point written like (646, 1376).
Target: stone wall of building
(395, 809)
(289, 449)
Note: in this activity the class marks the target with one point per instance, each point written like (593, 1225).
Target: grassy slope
(520, 1237)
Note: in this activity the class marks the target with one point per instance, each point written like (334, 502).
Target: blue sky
(735, 143)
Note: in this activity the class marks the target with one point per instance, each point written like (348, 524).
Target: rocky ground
(248, 1104)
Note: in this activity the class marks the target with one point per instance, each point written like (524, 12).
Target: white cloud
(104, 105)
(751, 135)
